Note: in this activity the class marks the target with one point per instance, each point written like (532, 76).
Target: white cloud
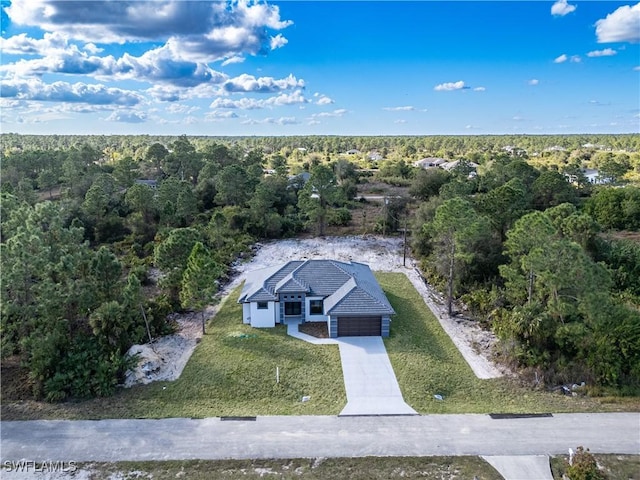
(636, 68)
(23, 45)
(534, 81)
(292, 98)
(221, 115)
(277, 42)
(92, 48)
(324, 100)
(36, 89)
(449, 86)
(154, 66)
(241, 103)
(623, 25)
(479, 89)
(127, 117)
(165, 93)
(181, 109)
(562, 8)
(400, 122)
(234, 59)
(198, 31)
(336, 113)
(564, 57)
(607, 52)
(248, 83)
(245, 103)
(407, 108)
(272, 121)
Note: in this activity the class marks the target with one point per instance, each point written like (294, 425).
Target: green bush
(584, 466)
(396, 181)
(339, 217)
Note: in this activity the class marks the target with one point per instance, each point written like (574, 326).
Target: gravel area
(165, 358)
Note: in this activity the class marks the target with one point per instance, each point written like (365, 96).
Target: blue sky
(320, 67)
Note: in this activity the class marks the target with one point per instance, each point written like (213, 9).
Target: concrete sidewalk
(294, 331)
(369, 379)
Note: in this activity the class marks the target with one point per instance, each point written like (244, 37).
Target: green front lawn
(427, 363)
(233, 373)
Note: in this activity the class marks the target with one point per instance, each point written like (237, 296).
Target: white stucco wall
(313, 318)
(263, 318)
(246, 313)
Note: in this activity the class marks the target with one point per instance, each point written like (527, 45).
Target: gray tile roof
(348, 288)
(291, 284)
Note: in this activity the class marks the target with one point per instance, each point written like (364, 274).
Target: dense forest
(515, 233)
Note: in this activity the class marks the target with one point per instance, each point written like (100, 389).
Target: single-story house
(449, 166)
(429, 162)
(344, 295)
(593, 176)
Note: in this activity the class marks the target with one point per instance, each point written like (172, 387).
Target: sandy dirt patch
(165, 358)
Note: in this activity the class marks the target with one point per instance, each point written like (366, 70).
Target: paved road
(317, 436)
(369, 379)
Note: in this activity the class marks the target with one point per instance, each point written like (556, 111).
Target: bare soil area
(165, 358)
(315, 329)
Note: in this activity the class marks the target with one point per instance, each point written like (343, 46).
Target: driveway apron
(521, 467)
(369, 380)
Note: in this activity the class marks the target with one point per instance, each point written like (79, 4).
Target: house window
(292, 308)
(315, 307)
(262, 305)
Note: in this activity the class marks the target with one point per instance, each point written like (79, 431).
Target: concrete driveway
(369, 379)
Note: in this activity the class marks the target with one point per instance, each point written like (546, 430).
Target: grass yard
(615, 467)
(231, 373)
(427, 363)
(366, 468)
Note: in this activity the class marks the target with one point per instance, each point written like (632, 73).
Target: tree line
(525, 251)
(81, 235)
(88, 221)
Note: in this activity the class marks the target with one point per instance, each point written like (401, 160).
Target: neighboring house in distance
(514, 151)
(448, 166)
(429, 162)
(594, 177)
(591, 175)
(298, 181)
(433, 162)
(555, 148)
(353, 152)
(344, 295)
(375, 156)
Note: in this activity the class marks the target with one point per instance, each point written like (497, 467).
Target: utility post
(404, 242)
(386, 214)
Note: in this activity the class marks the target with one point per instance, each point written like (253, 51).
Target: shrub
(339, 217)
(584, 466)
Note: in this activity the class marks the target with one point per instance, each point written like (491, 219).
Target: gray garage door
(359, 326)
